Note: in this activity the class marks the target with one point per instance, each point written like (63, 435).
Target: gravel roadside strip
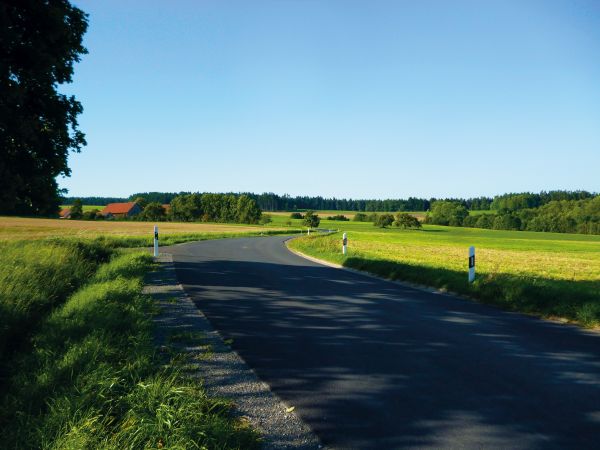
(223, 372)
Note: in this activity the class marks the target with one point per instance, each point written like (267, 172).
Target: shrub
(383, 220)
(447, 213)
(360, 217)
(339, 217)
(404, 220)
(296, 215)
(311, 220)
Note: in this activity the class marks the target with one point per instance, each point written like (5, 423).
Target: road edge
(224, 373)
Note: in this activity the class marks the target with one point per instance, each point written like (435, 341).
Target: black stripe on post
(471, 261)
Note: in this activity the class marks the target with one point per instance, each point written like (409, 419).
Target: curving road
(372, 364)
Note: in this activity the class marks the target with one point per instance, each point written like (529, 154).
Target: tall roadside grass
(34, 278)
(92, 380)
(530, 279)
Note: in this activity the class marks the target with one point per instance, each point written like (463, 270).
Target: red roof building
(121, 210)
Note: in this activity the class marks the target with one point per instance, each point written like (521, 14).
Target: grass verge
(92, 380)
(540, 291)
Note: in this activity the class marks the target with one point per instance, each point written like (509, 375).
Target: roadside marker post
(308, 231)
(344, 244)
(155, 240)
(471, 264)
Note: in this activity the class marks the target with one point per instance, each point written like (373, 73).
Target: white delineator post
(344, 244)
(471, 264)
(308, 231)
(155, 240)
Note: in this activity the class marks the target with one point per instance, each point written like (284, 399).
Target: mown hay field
(16, 228)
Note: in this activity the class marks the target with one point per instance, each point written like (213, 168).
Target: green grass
(85, 207)
(89, 376)
(548, 274)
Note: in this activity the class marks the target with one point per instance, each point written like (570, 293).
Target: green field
(549, 274)
(85, 207)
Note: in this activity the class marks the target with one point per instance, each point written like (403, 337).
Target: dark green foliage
(311, 220)
(507, 222)
(142, 202)
(153, 212)
(265, 219)
(404, 220)
(526, 200)
(296, 215)
(558, 216)
(92, 214)
(384, 220)
(76, 210)
(40, 41)
(447, 213)
(339, 217)
(215, 208)
(360, 217)
(100, 201)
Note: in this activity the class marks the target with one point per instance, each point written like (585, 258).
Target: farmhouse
(65, 213)
(121, 210)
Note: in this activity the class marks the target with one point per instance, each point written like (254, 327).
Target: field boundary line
(224, 373)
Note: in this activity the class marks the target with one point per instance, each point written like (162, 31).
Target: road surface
(372, 364)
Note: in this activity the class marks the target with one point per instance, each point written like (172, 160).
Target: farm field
(550, 274)
(14, 228)
(85, 207)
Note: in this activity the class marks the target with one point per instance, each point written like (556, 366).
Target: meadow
(553, 275)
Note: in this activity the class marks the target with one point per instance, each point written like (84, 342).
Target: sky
(347, 99)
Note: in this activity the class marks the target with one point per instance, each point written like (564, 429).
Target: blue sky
(363, 99)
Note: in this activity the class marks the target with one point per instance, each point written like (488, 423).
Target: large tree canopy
(40, 40)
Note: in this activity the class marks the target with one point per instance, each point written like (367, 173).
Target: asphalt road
(372, 364)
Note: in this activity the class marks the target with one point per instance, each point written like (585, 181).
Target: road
(373, 364)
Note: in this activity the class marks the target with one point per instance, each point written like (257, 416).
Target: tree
(142, 202)
(77, 210)
(247, 210)
(447, 213)
(40, 41)
(404, 220)
(311, 220)
(153, 211)
(383, 220)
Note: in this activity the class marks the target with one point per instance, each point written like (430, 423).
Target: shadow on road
(370, 364)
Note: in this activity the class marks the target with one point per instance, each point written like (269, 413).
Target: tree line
(566, 215)
(194, 207)
(275, 202)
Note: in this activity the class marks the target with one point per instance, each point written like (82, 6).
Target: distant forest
(273, 202)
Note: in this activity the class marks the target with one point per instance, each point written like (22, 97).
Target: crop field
(85, 207)
(14, 228)
(549, 274)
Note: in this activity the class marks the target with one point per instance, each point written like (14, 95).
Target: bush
(339, 217)
(384, 220)
(311, 220)
(404, 220)
(265, 219)
(296, 215)
(360, 217)
(447, 213)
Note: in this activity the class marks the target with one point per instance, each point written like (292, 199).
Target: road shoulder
(222, 371)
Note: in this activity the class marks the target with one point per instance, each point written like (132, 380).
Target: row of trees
(215, 208)
(560, 216)
(188, 208)
(274, 202)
